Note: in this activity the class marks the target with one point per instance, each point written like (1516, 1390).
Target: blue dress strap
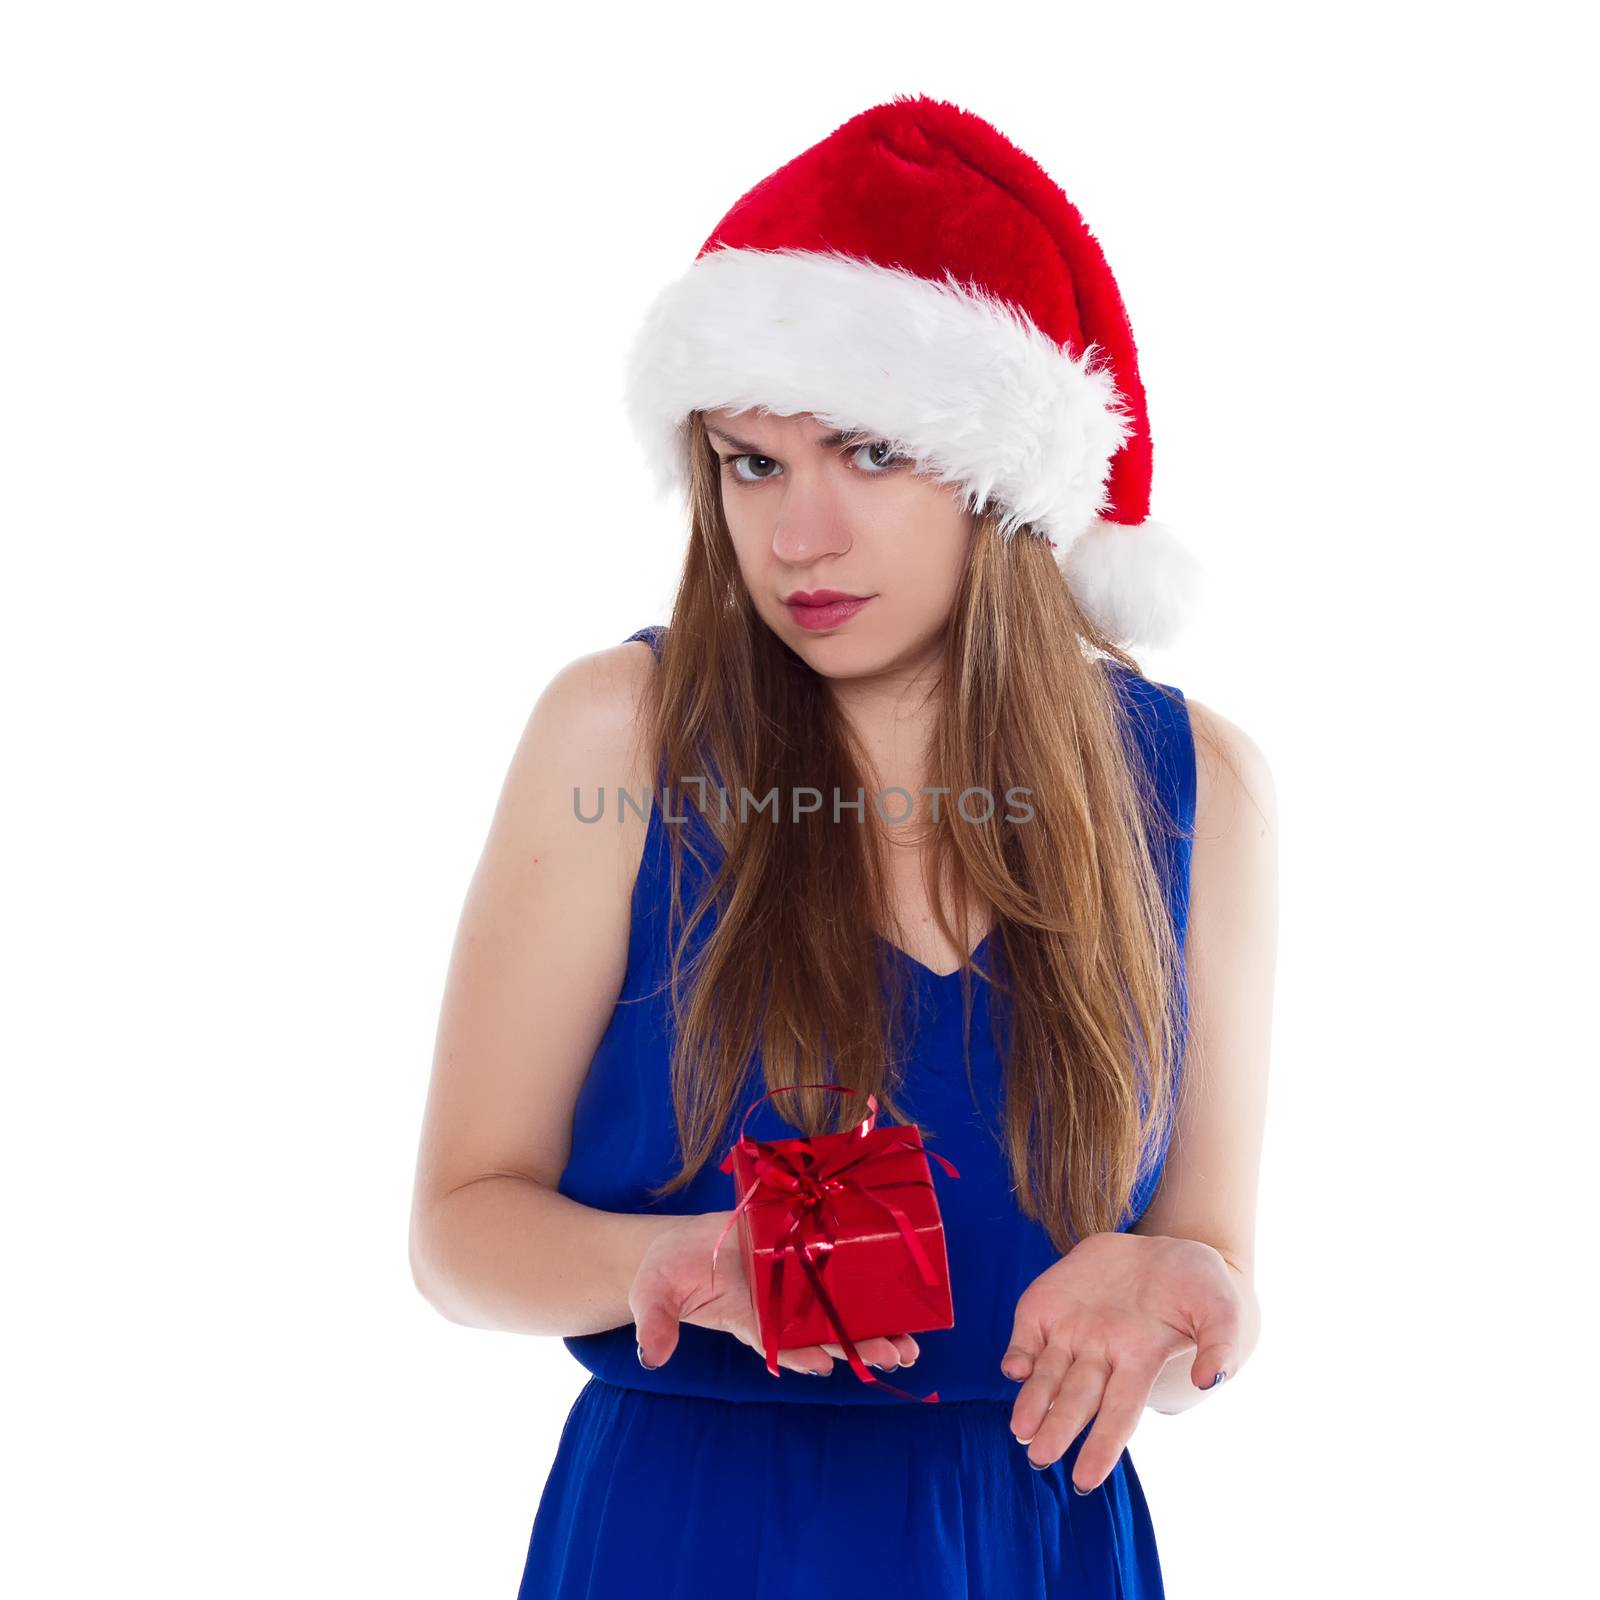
(1158, 717)
(651, 635)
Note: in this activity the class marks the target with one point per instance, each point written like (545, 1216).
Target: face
(813, 510)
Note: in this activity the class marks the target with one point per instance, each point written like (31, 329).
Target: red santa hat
(916, 276)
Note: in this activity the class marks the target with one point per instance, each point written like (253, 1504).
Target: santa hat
(917, 277)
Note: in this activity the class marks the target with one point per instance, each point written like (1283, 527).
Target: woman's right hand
(674, 1284)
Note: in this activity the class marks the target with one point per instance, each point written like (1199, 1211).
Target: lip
(834, 609)
(819, 597)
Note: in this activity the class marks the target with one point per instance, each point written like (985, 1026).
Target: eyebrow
(843, 436)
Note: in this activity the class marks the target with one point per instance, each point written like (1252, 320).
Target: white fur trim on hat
(1137, 581)
(957, 379)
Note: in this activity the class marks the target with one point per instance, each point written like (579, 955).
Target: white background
(315, 471)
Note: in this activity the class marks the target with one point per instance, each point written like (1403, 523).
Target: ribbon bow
(804, 1181)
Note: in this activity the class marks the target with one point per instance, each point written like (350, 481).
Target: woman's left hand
(1093, 1332)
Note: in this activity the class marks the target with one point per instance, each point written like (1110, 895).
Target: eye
(731, 464)
(876, 458)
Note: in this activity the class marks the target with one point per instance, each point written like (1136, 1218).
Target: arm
(538, 963)
(1208, 1186)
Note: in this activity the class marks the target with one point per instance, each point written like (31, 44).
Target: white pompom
(1137, 580)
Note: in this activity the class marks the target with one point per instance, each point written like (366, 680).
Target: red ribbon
(804, 1183)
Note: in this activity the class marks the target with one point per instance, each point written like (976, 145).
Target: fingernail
(1024, 1442)
(1037, 1466)
(1077, 1490)
(1218, 1379)
(642, 1362)
(815, 1372)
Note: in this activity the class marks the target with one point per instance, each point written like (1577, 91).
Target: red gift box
(841, 1236)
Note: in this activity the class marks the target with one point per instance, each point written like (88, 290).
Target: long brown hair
(1083, 947)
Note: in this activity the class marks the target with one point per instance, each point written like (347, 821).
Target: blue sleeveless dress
(711, 1478)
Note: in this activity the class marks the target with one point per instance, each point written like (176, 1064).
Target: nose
(811, 522)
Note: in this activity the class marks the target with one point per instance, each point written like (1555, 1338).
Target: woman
(935, 851)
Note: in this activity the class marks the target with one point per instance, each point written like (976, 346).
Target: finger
(808, 1358)
(1038, 1391)
(802, 1358)
(1079, 1395)
(1127, 1390)
(1027, 1340)
(1017, 1364)
(1217, 1345)
(655, 1325)
(1216, 1322)
(882, 1353)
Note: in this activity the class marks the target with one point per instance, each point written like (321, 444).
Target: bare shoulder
(604, 687)
(592, 704)
(582, 744)
(1233, 782)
